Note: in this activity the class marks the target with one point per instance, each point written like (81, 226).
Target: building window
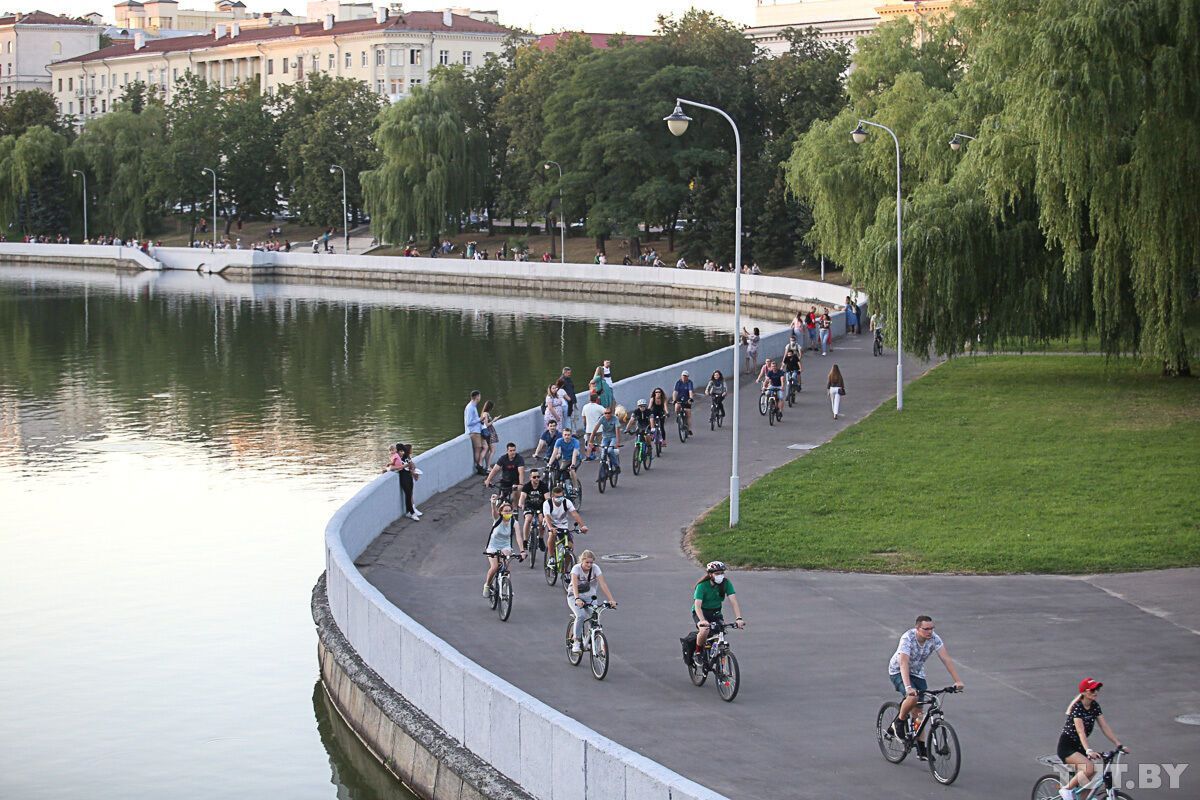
(60, 108)
(91, 78)
(70, 106)
(285, 66)
(394, 58)
(414, 56)
(378, 87)
(397, 85)
(332, 63)
(103, 81)
(364, 58)
(347, 60)
(124, 78)
(103, 106)
(443, 57)
(60, 89)
(270, 66)
(316, 63)
(70, 84)
(137, 76)
(379, 59)
(466, 58)
(415, 82)
(174, 74)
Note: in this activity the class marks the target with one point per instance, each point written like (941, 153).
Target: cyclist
(511, 468)
(1073, 750)
(641, 421)
(591, 413)
(682, 397)
(609, 431)
(500, 539)
(658, 407)
(906, 671)
(565, 455)
(710, 594)
(793, 362)
(555, 515)
(772, 381)
(548, 439)
(716, 391)
(533, 494)
(585, 577)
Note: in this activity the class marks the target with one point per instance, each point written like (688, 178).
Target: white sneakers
(414, 515)
(575, 646)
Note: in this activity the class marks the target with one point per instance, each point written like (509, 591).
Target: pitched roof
(412, 21)
(41, 18)
(599, 41)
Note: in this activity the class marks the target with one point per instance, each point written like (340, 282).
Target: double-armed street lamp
(79, 174)
(562, 222)
(345, 214)
(214, 177)
(956, 141)
(859, 135)
(677, 123)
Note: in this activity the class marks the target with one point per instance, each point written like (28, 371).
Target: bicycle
(642, 452)
(564, 557)
(941, 742)
(608, 472)
(572, 489)
(1099, 788)
(660, 437)
(681, 422)
(774, 408)
(502, 493)
(716, 416)
(594, 641)
(500, 592)
(762, 403)
(793, 386)
(877, 344)
(534, 542)
(717, 658)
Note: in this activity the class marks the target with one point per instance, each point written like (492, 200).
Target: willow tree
(33, 182)
(431, 167)
(118, 152)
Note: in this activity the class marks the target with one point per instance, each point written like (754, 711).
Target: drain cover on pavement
(803, 446)
(1188, 719)
(624, 557)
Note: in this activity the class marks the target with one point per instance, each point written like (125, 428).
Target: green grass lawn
(996, 465)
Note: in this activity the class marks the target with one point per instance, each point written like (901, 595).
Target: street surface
(814, 657)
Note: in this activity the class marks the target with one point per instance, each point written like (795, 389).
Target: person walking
(751, 340)
(554, 408)
(851, 317)
(474, 430)
(836, 386)
(568, 386)
(825, 329)
(400, 462)
(487, 429)
(602, 388)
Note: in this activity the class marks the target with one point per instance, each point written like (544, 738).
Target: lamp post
(79, 174)
(859, 135)
(345, 214)
(956, 141)
(214, 176)
(677, 123)
(562, 222)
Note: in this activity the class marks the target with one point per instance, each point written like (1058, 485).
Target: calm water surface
(171, 447)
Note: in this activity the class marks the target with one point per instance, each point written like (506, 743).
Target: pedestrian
(851, 317)
(474, 430)
(591, 415)
(400, 461)
(752, 340)
(836, 387)
(608, 370)
(810, 325)
(487, 429)
(568, 386)
(602, 388)
(825, 329)
(553, 408)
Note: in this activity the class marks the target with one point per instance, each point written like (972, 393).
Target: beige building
(390, 54)
(30, 43)
(836, 20)
(166, 15)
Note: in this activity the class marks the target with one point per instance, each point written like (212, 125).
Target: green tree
(251, 168)
(135, 96)
(430, 170)
(193, 142)
(32, 182)
(118, 152)
(24, 110)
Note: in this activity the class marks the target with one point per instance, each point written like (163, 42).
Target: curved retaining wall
(82, 255)
(503, 726)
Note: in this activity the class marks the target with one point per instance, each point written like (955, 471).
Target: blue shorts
(917, 683)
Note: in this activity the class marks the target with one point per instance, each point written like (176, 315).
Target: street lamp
(859, 135)
(214, 176)
(79, 174)
(345, 215)
(562, 222)
(956, 141)
(677, 123)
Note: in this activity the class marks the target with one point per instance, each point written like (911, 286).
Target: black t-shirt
(775, 376)
(510, 468)
(791, 360)
(534, 497)
(642, 418)
(1088, 715)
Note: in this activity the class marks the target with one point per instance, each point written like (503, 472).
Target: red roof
(599, 41)
(412, 21)
(41, 18)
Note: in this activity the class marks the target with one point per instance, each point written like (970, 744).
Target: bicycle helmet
(715, 566)
(641, 403)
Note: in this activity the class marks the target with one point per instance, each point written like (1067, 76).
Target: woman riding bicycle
(716, 391)
(500, 540)
(707, 599)
(1083, 713)
(658, 407)
(585, 577)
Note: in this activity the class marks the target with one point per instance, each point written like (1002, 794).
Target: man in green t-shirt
(708, 598)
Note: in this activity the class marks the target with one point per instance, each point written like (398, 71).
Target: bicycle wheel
(697, 674)
(893, 749)
(762, 404)
(612, 477)
(535, 536)
(658, 445)
(578, 498)
(682, 425)
(877, 348)
(572, 657)
(791, 396)
(712, 420)
(729, 677)
(721, 420)
(551, 574)
(637, 459)
(602, 476)
(568, 563)
(771, 413)
(779, 412)
(945, 757)
(1047, 788)
(506, 598)
(494, 594)
(599, 656)
(647, 457)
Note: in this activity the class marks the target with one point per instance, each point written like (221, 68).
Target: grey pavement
(815, 653)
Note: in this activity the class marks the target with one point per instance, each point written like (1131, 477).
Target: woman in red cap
(1073, 749)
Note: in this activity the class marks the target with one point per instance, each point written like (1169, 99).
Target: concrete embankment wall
(77, 255)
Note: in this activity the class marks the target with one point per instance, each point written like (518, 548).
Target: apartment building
(835, 20)
(29, 43)
(166, 15)
(389, 53)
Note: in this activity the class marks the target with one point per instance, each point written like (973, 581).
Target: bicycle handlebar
(517, 556)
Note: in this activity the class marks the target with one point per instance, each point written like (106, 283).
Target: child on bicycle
(585, 577)
(500, 539)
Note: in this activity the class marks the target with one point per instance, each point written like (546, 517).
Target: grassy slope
(1003, 464)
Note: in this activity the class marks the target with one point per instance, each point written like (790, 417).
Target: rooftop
(40, 18)
(599, 41)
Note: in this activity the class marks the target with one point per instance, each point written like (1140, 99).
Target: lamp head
(677, 122)
(333, 170)
(955, 143)
(859, 134)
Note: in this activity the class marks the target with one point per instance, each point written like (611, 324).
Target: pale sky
(613, 16)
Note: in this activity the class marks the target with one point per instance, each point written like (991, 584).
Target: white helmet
(641, 403)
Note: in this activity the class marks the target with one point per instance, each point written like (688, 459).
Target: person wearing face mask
(707, 600)
(557, 512)
(504, 530)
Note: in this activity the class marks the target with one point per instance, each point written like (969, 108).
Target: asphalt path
(815, 653)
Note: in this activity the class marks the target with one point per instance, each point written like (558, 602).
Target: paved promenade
(815, 654)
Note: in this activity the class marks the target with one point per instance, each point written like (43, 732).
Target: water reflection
(171, 447)
(353, 769)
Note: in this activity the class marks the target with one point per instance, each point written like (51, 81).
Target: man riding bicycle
(556, 515)
(610, 437)
(533, 495)
(709, 595)
(511, 468)
(792, 363)
(565, 455)
(548, 439)
(772, 381)
(906, 670)
(682, 397)
(641, 421)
